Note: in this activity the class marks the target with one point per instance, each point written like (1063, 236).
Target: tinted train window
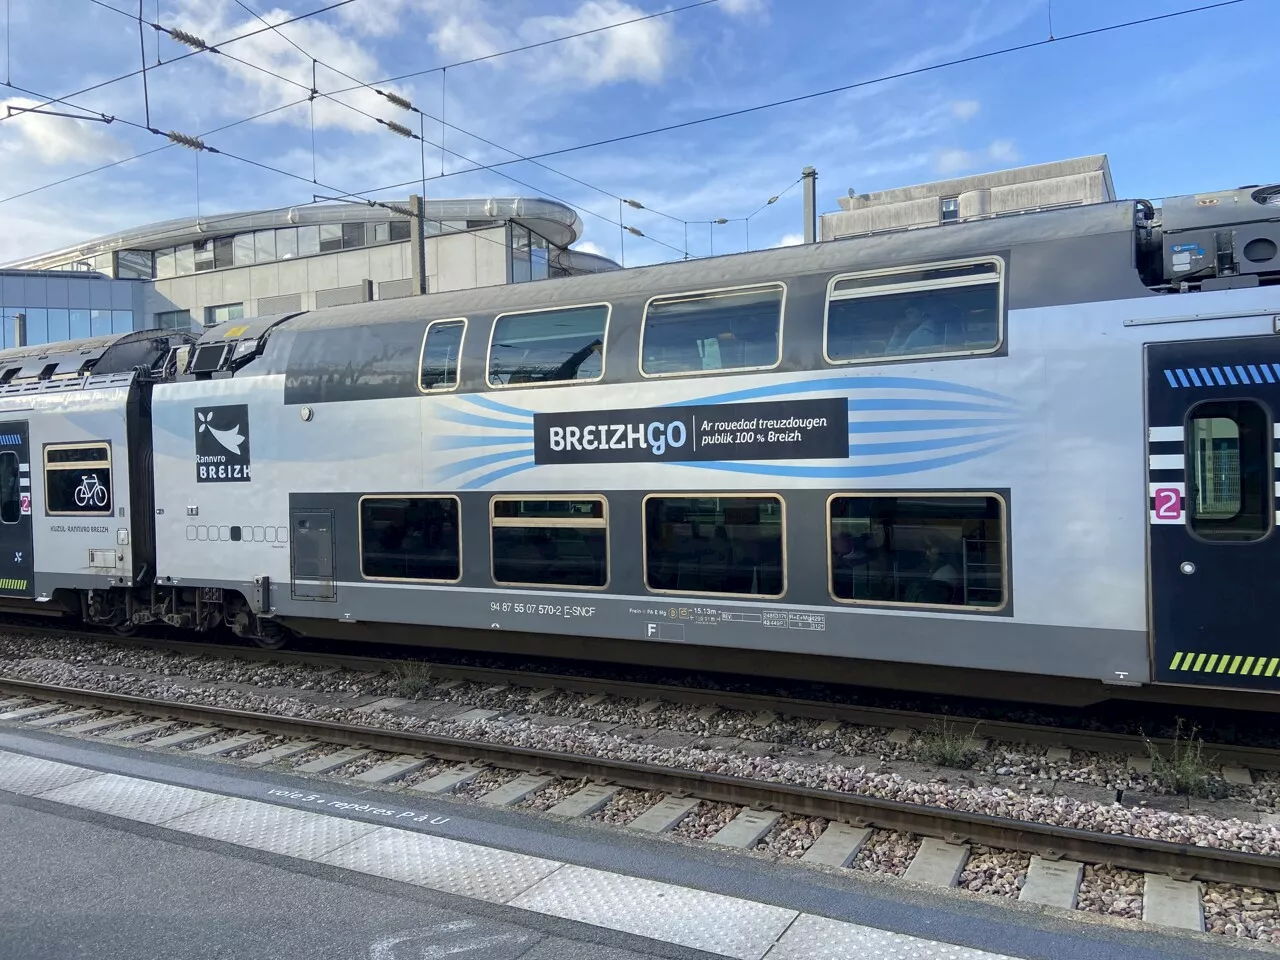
(548, 347)
(931, 550)
(1229, 490)
(441, 349)
(558, 542)
(733, 330)
(10, 488)
(77, 480)
(729, 545)
(929, 311)
(410, 538)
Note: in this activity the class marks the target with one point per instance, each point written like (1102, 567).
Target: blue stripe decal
(1231, 376)
(483, 440)
(850, 472)
(907, 403)
(473, 420)
(1204, 374)
(1276, 368)
(846, 383)
(910, 426)
(1266, 372)
(483, 401)
(1253, 372)
(1244, 377)
(10, 438)
(496, 475)
(1195, 377)
(475, 463)
(1172, 382)
(1182, 377)
(1217, 375)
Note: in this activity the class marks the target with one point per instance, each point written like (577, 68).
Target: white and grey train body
(1039, 449)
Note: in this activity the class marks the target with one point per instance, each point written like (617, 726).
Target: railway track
(1050, 842)
(1227, 755)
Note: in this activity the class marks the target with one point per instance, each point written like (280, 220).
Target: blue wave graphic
(851, 472)
(908, 403)
(450, 470)
(497, 475)
(911, 426)
(474, 420)
(915, 446)
(480, 400)
(462, 441)
(846, 383)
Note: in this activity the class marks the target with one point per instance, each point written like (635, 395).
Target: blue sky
(1180, 106)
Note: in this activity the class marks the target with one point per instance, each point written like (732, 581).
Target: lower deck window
(410, 538)
(550, 541)
(931, 550)
(726, 545)
(77, 480)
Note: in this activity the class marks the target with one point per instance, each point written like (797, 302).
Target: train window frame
(106, 463)
(604, 346)
(602, 522)
(923, 495)
(1190, 485)
(16, 476)
(710, 292)
(407, 496)
(708, 495)
(942, 283)
(422, 353)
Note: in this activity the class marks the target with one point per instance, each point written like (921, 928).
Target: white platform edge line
(215, 799)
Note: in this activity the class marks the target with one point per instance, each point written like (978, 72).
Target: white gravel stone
(1112, 891)
(626, 805)
(792, 835)
(485, 781)
(552, 793)
(705, 820)
(887, 852)
(1243, 912)
(997, 872)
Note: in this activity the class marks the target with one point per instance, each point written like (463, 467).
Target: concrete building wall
(463, 260)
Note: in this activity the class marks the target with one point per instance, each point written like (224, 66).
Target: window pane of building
(174, 320)
(224, 253)
(730, 545)
(1229, 493)
(121, 321)
(308, 241)
(223, 313)
(165, 263)
(554, 542)
(203, 255)
(184, 260)
(59, 324)
(554, 345)
(918, 549)
(242, 249)
(99, 323)
(352, 235)
(37, 325)
(287, 243)
(400, 230)
(382, 231)
(410, 538)
(134, 265)
(264, 246)
(330, 237)
(440, 355)
(79, 324)
(886, 316)
(713, 331)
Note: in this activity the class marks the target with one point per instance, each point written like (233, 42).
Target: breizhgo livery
(1038, 448)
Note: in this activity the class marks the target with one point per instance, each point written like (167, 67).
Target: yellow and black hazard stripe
(12, 584)
(1227, 663)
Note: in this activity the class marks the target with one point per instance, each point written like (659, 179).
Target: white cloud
(741, 8)
(957, 161)
(953, 161)
(1003, 151)
(790, 240)
(586, 246)
(965, 109)
(56, 139)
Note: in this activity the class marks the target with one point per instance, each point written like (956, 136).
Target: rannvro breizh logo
(222, 444)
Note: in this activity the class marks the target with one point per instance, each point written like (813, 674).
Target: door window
(1229, 488)
(10, 488)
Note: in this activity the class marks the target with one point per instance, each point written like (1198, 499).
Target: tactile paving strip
(451, 866)
(812, 936)
(262, 826)
(143, 800)
(662, 911)
(31, 775)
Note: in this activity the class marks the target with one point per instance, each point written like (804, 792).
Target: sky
(1180, 106)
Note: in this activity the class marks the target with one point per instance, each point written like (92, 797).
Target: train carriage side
(739, 463)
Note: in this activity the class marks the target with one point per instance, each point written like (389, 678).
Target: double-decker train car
(1030, 455)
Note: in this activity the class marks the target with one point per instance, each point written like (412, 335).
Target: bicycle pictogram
(90, 491)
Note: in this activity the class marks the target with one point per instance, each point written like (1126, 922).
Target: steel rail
(1092, 741)
(1046, 840)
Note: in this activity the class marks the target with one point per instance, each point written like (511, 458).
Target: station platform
(112, 851)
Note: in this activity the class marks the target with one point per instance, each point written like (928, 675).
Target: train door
(312, 554)
(1215, 553)
(16, 562)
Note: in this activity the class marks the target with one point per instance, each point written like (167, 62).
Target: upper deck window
(77, 480)
(720, 330)
(950, 309)
(441, 349)
(548, 346)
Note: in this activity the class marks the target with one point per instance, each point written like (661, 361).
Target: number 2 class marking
(1168, 504)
